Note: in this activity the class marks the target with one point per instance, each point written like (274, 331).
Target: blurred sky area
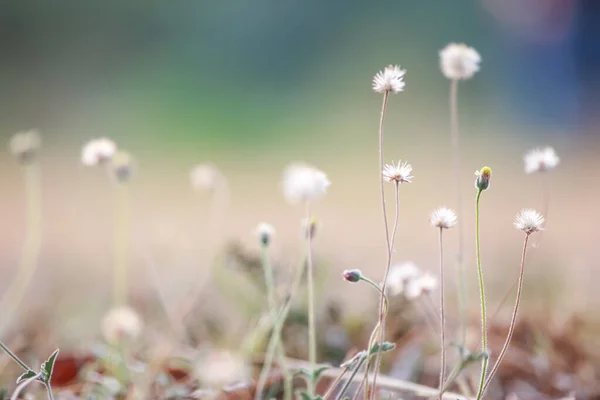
(179, 72)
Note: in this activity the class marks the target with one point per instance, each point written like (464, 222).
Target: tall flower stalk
(25, 146)
(458, 62)
(482, 183)
(528, 221)
(312, 329)
(442, 218)
(391, 79)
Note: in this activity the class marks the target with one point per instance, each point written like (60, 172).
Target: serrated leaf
(26, 375)
(317, 373)
(48, 366)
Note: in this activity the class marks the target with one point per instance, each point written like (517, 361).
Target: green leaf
(26, 375)
(304, 396)
(303, 372)
(3, 393)
(316, 375)
(48, 366)
(385, 346)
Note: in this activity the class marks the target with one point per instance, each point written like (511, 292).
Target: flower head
(482, 182)
(24, 145)
(221, 368)
(120, 324)
(205, 177)
(265, 232)
(529, 221)
(459, 61)
(98, 151)
(399, 173)
(121, 165)
(409, 281)
(540, 160)
(353, 275)
(302, 183)
(443, 218)
(391, 79)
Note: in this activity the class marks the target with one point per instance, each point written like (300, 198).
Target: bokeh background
(253, 85)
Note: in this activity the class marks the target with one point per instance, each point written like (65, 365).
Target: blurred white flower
(443, 218)
(221, 368)
(391, 79)
(98, 151)
(399, 173)
(409, 281)
(302, 183)
(121, 323)
(459, 61)
(265, 232)
(205, 177)
(540, 160)
(529, 221)
(25, 145)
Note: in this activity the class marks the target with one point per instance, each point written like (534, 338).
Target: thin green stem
(312, 329)
(351, 378)
(121, 243)
(334, 384)
(513, 319)
(484, 362)
(442, 319)
(31, 248)
(14, 357)
(49, 391)
(22, 386)
(383, 301)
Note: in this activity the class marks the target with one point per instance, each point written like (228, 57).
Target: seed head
(98, 151)
(443, 218)
(25, 145)
(391, 79)
(482, 182)
(529, 221)
(459, 61)
(265, 232)
(121, 324)
(353, 275)
(540, 160)
(205, 177)
(302, 183)
(399, 173)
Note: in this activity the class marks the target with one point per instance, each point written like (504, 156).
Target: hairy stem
(382, 301)
(14, 357)
(442, 319)
(484, 362)
(312, 329)
(121, 243)
(513, 319)
(350, 379)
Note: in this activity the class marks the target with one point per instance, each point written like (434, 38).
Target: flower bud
(352, 275)
(482, 182)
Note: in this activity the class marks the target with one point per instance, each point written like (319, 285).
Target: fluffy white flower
(459, 61)
(25, 144)
(443, 218)
(121, 323)
(302, 183)
(540, 160)
(391, 79)
(98, 151)
(529, 221)
(409, 281)
(265, 232)
(205, 177)
(399, 173)
(221, 368)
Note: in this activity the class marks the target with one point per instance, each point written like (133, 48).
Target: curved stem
(312, 333)
(513, 319)
(482, 299)
(442, 319)
(382, 302)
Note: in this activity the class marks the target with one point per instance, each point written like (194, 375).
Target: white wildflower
(25, 145)
(98, 151)
(391, 79)
(205, 177)
(409, 281)
(529, 221)
(459, 61)
(265, 232)
(302, 183)
(540, 160)
(120, 324)
(221, 368)
(443, 218)
(399, 173)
